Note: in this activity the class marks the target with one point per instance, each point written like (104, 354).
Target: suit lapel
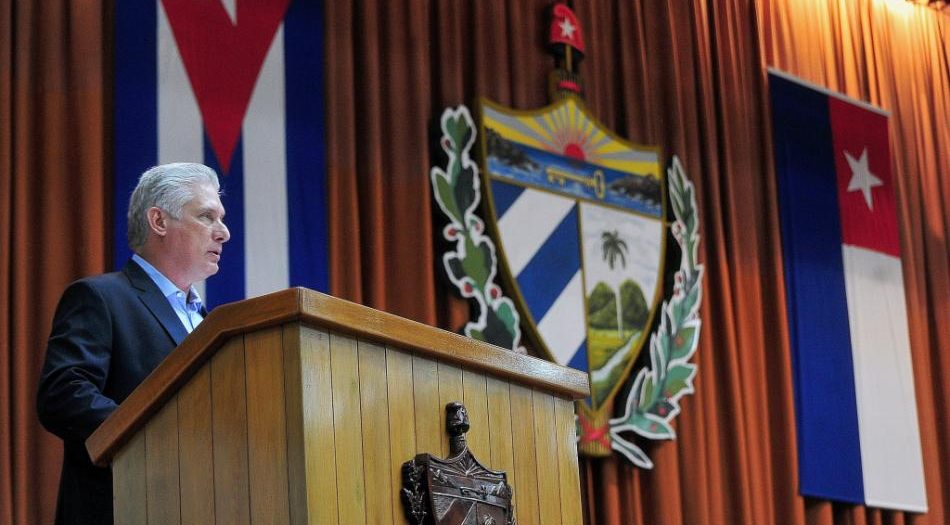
(153, 299)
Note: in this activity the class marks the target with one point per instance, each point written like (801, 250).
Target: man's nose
(222, 234)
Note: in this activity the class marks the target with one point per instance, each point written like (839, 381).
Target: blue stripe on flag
(228, 284)
(306, 153)
(135, 110)
(552, 267)
(579, 361)
(828, 440)
(503, 196)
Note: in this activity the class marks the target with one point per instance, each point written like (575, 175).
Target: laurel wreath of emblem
(653, 401)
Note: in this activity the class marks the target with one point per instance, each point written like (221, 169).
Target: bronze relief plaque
(457, 490)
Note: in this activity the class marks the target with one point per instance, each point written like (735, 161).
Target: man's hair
(169, 187)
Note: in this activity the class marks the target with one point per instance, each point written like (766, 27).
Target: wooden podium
(297, 407)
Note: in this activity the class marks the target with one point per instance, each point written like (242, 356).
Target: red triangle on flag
(223, 60)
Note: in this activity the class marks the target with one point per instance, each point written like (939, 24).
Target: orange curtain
(688, 76)
(53, 216)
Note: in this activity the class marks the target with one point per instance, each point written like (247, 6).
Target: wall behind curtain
(685, 75)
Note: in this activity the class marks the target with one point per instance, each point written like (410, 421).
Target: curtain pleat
(7, 451)
(688, 76)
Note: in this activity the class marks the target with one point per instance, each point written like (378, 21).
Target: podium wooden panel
(300, 408)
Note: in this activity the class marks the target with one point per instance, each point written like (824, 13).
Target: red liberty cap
(565, 29)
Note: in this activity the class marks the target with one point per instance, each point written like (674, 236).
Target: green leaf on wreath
(455, 266)
(447, 198)
(678, 377)
(660, 429)
(465, 190)
(663, 409)
(683, 342)
(689, 196)
(647, 392)
(690, 300)
(679, 312)
(677, 199)
(507, 315)
(651, 426)
(458, 131)
(474, 333)
(477, 262)
(660, 350)
(497, 331)
(683, 308)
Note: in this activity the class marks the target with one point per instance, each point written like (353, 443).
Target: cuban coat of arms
(578, 222)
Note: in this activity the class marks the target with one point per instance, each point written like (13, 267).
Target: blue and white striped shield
(578, 215)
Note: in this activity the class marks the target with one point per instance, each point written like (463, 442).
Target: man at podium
(110, 331)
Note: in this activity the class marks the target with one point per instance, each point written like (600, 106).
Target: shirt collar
(164, 284)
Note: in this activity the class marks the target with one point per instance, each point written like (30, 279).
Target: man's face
(193, 243)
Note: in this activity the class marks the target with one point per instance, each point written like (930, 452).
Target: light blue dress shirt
(187, 308)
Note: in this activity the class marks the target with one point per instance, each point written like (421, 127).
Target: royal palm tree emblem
(614, 249)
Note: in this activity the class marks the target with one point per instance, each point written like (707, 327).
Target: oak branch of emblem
(473, 264)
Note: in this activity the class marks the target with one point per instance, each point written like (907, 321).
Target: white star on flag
(567, 29)
(862, 179)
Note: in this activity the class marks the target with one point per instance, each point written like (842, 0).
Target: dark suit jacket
(109, 333)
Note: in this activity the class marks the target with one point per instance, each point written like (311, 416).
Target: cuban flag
(236, 85)
(856, 412)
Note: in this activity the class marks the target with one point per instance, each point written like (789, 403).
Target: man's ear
(157, 221)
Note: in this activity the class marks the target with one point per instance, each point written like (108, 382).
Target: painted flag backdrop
(236, 85)
(858, 436)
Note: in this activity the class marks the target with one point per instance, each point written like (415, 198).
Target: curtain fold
(7, 452)
(688, 76)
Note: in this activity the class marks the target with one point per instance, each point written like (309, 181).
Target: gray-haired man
(110, 331)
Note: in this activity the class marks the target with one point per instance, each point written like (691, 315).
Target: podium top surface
(321, 311)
